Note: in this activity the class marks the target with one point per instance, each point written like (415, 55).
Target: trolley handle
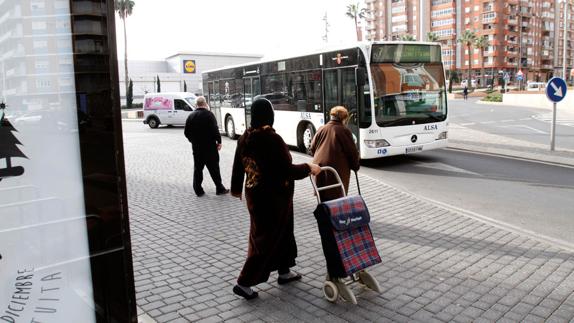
(339, 183)
(357, 178)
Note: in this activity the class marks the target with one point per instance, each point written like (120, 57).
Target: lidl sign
(189, 66)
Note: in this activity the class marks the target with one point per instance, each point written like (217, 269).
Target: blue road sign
(556, 89)
(519, 77)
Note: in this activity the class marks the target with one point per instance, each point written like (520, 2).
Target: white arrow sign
(558, 90)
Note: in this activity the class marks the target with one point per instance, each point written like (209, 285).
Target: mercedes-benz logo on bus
(414, 139)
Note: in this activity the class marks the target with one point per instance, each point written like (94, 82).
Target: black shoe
(200, 194)
(221, 192)
(239, 291)
(283, 281)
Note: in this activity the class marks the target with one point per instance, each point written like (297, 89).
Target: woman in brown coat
(264, 159)
(333, 146)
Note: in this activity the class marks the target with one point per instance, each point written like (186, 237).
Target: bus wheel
(153, 122)
(230, 127)
(305, 138)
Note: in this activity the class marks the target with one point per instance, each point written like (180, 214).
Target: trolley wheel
(330, 291)
(345, 292)
(368, 280)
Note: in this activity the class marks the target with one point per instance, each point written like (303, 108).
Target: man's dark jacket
(202, 131)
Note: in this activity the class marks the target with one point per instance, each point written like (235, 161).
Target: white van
(535, 86)
(171, 108)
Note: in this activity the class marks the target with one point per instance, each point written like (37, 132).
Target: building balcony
(88, 8)
(489, 31)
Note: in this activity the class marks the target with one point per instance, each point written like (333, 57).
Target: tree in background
(124, 9)
(8, 147)
(467, 39)
(158, 85)
(407, 37)
(432, 37)
(482, 43)
(130, 94)
(355, 13)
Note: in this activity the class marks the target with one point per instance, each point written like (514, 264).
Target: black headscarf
(261, 113)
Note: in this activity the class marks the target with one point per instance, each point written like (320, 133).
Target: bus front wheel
(305, 138)
(230, 128)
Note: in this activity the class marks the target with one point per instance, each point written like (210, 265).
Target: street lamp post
(565, 20)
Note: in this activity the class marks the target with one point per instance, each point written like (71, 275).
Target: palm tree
(467, 39)
(355, 13)
(481, 43)
(432, 37)
(407, 37)
(125, 9)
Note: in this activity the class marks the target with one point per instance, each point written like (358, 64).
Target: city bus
(394, 91)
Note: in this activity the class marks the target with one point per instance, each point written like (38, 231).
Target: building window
(40, 44)
(39, 25)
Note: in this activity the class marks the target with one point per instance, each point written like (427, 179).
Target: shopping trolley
(347, 241)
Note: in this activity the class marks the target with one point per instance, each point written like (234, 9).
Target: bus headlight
(377, 143)
(442, 135)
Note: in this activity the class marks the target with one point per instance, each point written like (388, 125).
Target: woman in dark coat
(333, 146)
(264, 159)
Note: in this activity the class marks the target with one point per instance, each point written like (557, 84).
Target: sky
(272, 28)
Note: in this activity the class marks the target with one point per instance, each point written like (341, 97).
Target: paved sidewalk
(438, 265)
(464, 138)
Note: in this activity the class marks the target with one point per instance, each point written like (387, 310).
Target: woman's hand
(315, 169)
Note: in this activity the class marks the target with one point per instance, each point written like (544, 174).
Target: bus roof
(364, 45)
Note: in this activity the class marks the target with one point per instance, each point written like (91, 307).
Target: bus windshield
(409, 85)
(407, 94)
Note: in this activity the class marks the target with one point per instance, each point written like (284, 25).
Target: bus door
(251, 88)
(213, 100)
(341, 89)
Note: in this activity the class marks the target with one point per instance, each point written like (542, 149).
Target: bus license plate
(410, 150)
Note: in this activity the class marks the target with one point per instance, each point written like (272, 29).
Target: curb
(526, 156)
(131, 119)
(491, 103)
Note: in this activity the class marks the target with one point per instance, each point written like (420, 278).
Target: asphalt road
(522, 123)
(532, 196)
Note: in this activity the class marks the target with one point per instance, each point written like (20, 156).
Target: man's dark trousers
(211, 161)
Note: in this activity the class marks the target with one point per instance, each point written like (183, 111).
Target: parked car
(464, 83)
(535, 86)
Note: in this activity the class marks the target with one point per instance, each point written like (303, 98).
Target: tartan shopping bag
(347, 240)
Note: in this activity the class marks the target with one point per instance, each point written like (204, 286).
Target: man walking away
(202, 131)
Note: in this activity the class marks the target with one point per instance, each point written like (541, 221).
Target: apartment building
(523, 35)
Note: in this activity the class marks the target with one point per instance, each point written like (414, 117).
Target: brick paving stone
(530, 318)
(436, 261)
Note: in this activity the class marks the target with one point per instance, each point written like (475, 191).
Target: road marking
(468, 124)
(507, 120)
(445, 167)
(547, 117)
(487, 122)
(526, 127)
(524, 119)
